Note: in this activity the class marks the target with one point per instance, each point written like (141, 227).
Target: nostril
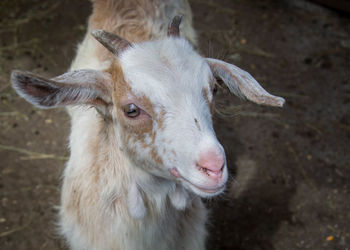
(210, 172)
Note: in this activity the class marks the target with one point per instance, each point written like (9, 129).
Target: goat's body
(94, 211)
(146, 151)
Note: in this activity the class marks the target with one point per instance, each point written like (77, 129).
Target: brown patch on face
(135, 130)
(160, 120)
(121, 88)
(156, 157)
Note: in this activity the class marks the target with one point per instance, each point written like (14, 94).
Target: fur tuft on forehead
(165, 69)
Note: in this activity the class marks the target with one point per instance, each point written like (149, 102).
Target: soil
(289, 184)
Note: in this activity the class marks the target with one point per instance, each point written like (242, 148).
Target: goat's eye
(215, 89)
(131, 110)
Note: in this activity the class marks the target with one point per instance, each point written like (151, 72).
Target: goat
(144, 156)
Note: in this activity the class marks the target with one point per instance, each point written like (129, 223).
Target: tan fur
(97, 179)
(129, 19)
(134, 129)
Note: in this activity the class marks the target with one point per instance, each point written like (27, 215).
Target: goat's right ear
(75, 87)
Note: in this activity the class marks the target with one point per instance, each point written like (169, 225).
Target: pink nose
(211, 163)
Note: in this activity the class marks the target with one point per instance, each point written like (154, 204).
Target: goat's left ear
(242, 84)
(72, 88)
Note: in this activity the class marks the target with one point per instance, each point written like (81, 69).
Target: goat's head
(159, 97)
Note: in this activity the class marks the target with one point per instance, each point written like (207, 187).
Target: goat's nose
(212, 163)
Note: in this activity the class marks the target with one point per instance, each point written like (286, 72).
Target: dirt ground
(289, 167)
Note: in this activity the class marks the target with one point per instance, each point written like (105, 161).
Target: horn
(174, 29)
(112, 42)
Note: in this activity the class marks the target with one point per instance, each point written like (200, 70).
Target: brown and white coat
(143, 157)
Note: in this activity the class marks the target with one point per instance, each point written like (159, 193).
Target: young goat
(145, 155)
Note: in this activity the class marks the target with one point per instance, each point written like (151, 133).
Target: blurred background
(289, 167)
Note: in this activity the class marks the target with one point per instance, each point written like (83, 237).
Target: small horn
(174, 29)
(112, 42)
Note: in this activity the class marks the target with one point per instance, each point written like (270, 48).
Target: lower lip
(176, 174)
(210, 191)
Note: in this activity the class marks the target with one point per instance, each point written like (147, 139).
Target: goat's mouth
(200, 190)
(212, 191)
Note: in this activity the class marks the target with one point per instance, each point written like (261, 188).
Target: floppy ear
(72, 88)
(242, 84)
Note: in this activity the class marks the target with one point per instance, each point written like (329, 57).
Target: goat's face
(163, 114)
(159, 95)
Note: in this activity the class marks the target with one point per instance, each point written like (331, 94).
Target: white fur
(136, 204)
(127, 189)
(179, 197)
(135, 209)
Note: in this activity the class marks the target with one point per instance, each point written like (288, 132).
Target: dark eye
(131, 110)
(215, 89)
